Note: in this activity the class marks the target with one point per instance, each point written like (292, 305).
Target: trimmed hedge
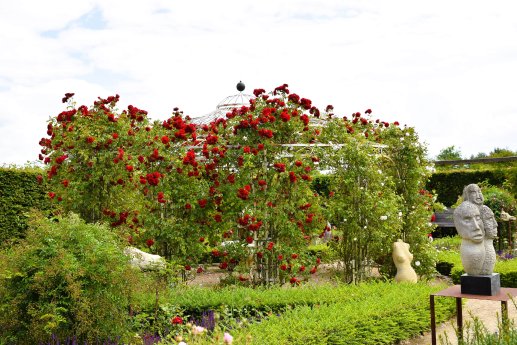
(19, 192)
(449, 185)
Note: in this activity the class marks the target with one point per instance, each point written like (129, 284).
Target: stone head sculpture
(472, 193)
(468, 222)
(475, 224)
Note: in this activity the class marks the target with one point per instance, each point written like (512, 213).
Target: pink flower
(227, 338)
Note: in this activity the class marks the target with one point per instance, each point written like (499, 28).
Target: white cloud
(445, 68)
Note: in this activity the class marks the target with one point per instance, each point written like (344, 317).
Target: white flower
(417, 263)
(365, 227)
(355, 238)
(380, 171)
(384, 217)
(197, 330)
(182, 343)
(400, 214)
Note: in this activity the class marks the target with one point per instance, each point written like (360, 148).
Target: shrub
(66, 278)
(20, 192)
(394, 312)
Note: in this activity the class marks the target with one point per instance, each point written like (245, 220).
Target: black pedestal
(487, 285)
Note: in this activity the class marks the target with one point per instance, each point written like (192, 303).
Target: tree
(449, 154)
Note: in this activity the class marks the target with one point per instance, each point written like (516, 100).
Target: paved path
(489, 312)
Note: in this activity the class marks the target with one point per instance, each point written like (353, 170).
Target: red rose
(149, 242)
(201, 239)
(114, 135)
(223, 265)
(280, 257)
(260, 255)
(280, 167)
(293, 280)
(262, 183)
(199, 269)
(298, 163)
(292, 176)
(202, 203)
(231, 178)
(51, 195)
(302, 268)
(165, 140)
(65, 183)
(90, 140)
(270, 246)
(40, 179)
(188, 206)
(177, 320)
(218, 218)
(313, 270)
(249, 239)
(433, 217)
(283, 267)
(188, 267)
(294, 256)
(129, 168)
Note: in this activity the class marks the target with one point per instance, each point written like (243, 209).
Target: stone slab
(487, 285)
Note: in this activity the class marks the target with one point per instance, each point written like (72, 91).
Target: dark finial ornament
(241, 86)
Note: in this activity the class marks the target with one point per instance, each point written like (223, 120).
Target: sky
(446, 68)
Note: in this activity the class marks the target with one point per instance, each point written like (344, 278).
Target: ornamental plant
(404, 158)
(260, 183)
(362, 203)
(65, 279)
(120, 168)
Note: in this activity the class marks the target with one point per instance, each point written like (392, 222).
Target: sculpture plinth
(487, 285)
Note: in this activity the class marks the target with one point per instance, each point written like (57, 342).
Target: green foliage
(449, 185)
(447, 243)
(65, 278)
(447, 260)
(394, 312)
(406, 162)
(19, 193)
(449, 153)
(498, 199)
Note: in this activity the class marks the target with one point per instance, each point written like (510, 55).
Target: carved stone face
(474, 195)
(468, 222)
(489, 222)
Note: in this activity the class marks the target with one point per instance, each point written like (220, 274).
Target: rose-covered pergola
(180, 186)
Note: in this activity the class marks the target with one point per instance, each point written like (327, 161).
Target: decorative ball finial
(241, 86)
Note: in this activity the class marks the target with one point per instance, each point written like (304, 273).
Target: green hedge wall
(449, 185)
(19, 192)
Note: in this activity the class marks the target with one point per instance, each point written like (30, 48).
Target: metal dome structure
(226, 105)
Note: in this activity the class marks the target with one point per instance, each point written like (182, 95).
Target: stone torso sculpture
(402, 259)
(477, 227)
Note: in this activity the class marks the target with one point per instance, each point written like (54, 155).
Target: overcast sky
(447, 68)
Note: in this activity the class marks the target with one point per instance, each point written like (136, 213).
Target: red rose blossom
(149, 242)
(177, 320)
